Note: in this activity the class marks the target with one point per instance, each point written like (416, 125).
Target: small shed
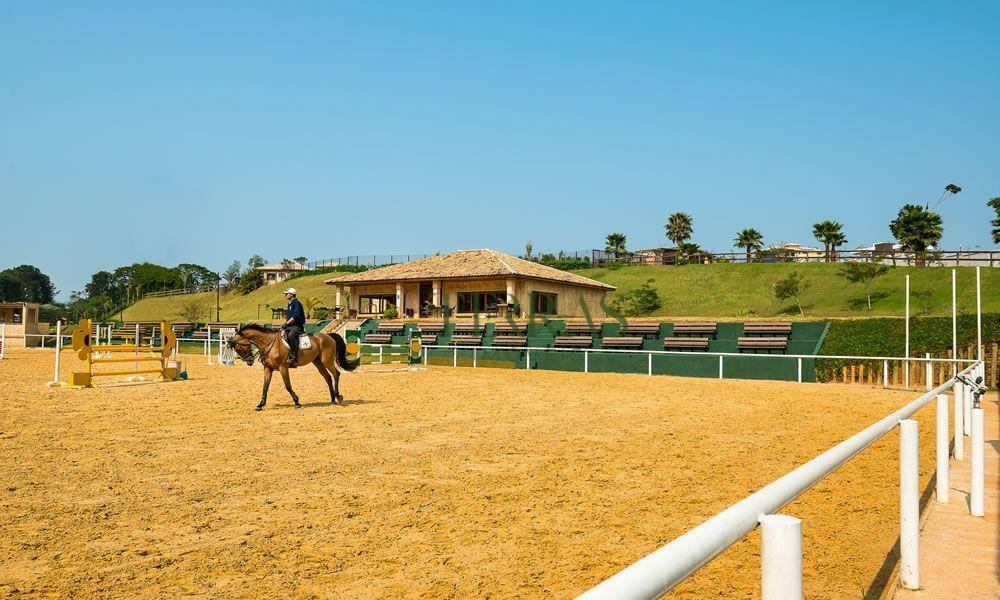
(278, 272)
(20, 321)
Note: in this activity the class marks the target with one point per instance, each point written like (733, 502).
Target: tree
(614, 243)
(791, 287)
(679, 228)
(232, 273)
(994, 203)
(642, 300)
(917, 228)
(830, 234)
(751, 239)
(27, 283)
(308, 304)
(300, 259)
(527, 250)
(256, 261)
(865, 274)
(193, 309)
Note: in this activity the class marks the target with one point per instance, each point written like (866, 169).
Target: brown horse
(327, 353)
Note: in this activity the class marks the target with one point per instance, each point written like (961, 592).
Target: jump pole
(954, 326)
(959, 399)
(977, 501)
(906, 352)
(3, 339)
(909, 506)
(55, 377)
(942, 447)
(979, 316)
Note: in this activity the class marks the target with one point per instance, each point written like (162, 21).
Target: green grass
(745, 291)
(720, 291)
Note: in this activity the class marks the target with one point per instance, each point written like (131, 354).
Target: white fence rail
(659, 572)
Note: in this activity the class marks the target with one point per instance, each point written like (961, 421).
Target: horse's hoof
(258, 407)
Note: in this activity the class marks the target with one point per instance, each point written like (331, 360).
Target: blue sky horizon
(192, 133)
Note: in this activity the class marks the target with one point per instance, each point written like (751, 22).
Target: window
(479, 301)
(376, 304)
(544, 303)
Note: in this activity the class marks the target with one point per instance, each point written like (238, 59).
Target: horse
(328, 351)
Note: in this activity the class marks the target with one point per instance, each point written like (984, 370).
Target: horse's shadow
(326, 403)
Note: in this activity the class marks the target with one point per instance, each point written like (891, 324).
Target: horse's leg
(336, 383)
(288, 384)
(330, 362)
(267, 382)
(326, 375)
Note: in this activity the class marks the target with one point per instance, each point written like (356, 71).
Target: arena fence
(781, 535)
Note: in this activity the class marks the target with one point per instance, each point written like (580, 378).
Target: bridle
(250, 355)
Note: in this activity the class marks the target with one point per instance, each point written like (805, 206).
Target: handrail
(660, 571)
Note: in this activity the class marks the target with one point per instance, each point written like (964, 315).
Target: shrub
(643, 300)
(390, 313)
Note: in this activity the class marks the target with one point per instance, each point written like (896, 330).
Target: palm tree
(679, 228)
(829, 232)
(751, 239)
(615, 244)
(917, 228)
(527, 250)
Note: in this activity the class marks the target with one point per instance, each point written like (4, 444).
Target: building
(278, 272)
(655, 256)
(470, 281)
(20, 319)
(792, 253)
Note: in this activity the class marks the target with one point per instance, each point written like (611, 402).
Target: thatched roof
(467, 264)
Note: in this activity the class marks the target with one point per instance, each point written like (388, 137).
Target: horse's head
(241, 345)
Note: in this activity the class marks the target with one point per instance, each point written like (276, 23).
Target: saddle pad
(305, 342)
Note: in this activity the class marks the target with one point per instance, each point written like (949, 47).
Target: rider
(295, 320)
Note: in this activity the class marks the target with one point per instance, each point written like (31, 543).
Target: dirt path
(450, 483)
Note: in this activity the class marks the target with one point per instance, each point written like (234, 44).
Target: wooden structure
(21, 326)
(86, 348)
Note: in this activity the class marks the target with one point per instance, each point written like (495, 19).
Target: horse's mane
(256, 327)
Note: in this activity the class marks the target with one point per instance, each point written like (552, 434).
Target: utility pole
(218, 282)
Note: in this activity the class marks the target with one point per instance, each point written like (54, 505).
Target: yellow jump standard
(85, 349)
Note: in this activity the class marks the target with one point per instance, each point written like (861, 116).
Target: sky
(207, 132)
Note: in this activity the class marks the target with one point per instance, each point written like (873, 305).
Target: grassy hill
(721, 291)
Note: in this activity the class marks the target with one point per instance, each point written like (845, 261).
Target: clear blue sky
(203, 132)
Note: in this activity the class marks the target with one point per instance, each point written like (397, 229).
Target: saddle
(305, 342)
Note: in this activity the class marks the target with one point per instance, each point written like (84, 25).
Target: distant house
(468, 282)
(792, 253)
(655, 256)
(278, 272)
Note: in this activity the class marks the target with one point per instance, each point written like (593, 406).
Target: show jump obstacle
(92, 354)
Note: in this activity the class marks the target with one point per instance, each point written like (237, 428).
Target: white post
(527, 359)
(942, 447)
(425, 350)
(909, 506)
(978, 464)
(473, 358)
(979, 316)
(954, 325)
(454, 357)
(967, 403)
(649, 363)
(959, 399)
(906, 353)
(380, 354)
(929, 374)
(55, 377)
(780, 557)
(586, 361)
(137, 346)
(799, 366)
(720, 366)
(3, 338)
(208, 345)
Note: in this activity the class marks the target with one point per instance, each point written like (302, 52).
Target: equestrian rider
(295, 320)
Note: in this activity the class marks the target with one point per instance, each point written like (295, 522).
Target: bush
(643, 300)
(390, 313)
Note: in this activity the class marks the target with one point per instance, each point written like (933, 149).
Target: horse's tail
(342, 354)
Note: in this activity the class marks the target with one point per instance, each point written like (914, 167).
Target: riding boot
(293, 357)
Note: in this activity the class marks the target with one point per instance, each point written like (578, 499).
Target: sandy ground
(448, 483)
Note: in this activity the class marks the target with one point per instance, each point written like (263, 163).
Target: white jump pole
(780, 557)
(55, 376)
(942, 447)
(885, 373)
(906, 352)
(954, 325)
(909, 506)
(959, 399)
(799, 370)
(979, 316)
(3, 339)
(929, 374)
(720, 366)
(978, 464)
(967, 404)
(586, 361)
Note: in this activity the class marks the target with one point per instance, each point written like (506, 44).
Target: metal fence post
(909, 506)
(978, 464)
(942, 447)
(780, 557)
(959, 399)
